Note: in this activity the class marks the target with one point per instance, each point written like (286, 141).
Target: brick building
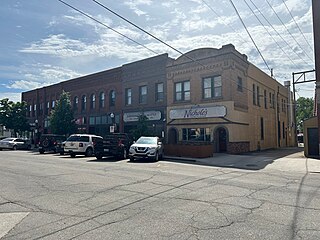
(207, 100)
(220, 102)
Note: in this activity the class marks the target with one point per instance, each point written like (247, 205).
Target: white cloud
(133, 4)
(13, 96)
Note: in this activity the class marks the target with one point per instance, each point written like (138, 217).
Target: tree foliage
(141, 128)
(61, 118)
(13, 116)
(304, 111)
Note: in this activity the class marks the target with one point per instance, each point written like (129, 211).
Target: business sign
(198, 112)
(134, 116)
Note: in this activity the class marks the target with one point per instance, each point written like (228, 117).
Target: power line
(233, 29)
(146, 32)
(288, 30)
(299, 56)
(297, 25)
(105, 25)
(270, 34)
(249, 35)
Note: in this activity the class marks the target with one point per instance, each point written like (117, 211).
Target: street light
(112, 127)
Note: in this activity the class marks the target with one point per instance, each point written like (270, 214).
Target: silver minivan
(80, 144)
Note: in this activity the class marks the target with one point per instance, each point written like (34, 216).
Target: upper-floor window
(212, 87)
(53, 104)
(112, 98)
(182, 91)
(159, 92)
(101, 100)
(254, 94)
(258, 96)
(143, 91)
(128, 96)
(75, 103)
(265, 99)
(83, 103)
(239, 84)
(92, 101)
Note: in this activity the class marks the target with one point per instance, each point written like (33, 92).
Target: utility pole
(316, 35)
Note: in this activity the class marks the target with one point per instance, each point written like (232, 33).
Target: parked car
(81, 144)
(50, 142)
(15, 143)
(146, 147)
(116, 145)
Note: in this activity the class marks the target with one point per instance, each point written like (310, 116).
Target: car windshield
(146, 140)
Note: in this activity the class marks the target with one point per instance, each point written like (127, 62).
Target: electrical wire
(105, 25)
(284, 52)
(299, 56)
(250, 35)
(289, 31)
(297, 25)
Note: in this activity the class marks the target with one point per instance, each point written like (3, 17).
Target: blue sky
(45, 42)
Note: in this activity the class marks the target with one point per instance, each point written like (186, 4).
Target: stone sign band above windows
(134, 116)
(198, 112)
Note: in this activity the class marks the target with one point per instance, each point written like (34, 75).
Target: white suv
(146, 147)
(80, 144)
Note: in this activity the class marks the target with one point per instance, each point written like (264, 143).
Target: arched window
(101, 100)
(93, 101)
(75, 103)
(84, 103)
(112, 98)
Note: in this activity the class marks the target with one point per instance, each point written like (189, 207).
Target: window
(83, 103)
(93, 101)
(159, 92)
(101, 100)
(283, 130)
(254, 94)
(265, 99)
(112, 98)
(273, 101)
(261, 129)
(128, 96)
(239, 84)
(75, 103)
(212, 87)
(196, 134)
(182, 91)
(53, 104)
(143, 94)
(258, 96)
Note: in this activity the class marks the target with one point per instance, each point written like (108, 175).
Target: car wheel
(72, 155)
(0, 149)
(123, 155)
(156, 157)
(89, 152)
(14, 148)
(41, 151)
(131, 159)
(61, 153)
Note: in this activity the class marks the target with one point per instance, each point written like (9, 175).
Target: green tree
(304, 110)
(13, 116)
(61, 118)
(141, 128)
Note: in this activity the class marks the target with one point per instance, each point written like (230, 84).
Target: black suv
(116, 145)
(51, 142)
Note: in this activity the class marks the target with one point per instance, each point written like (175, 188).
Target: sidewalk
(286, 159)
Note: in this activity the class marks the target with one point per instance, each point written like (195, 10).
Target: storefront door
(221, 136)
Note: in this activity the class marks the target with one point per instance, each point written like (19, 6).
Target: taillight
(54, 143)
(80, 144)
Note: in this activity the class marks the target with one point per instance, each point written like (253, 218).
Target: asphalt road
(57, 197)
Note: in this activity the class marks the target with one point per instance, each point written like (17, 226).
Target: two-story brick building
(205, 101)
(220, 102)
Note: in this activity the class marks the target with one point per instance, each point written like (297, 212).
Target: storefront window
(196, 134)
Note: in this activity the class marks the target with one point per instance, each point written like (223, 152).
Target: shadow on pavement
(248, 161)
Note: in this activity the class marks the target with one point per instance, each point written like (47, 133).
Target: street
(49, 196)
